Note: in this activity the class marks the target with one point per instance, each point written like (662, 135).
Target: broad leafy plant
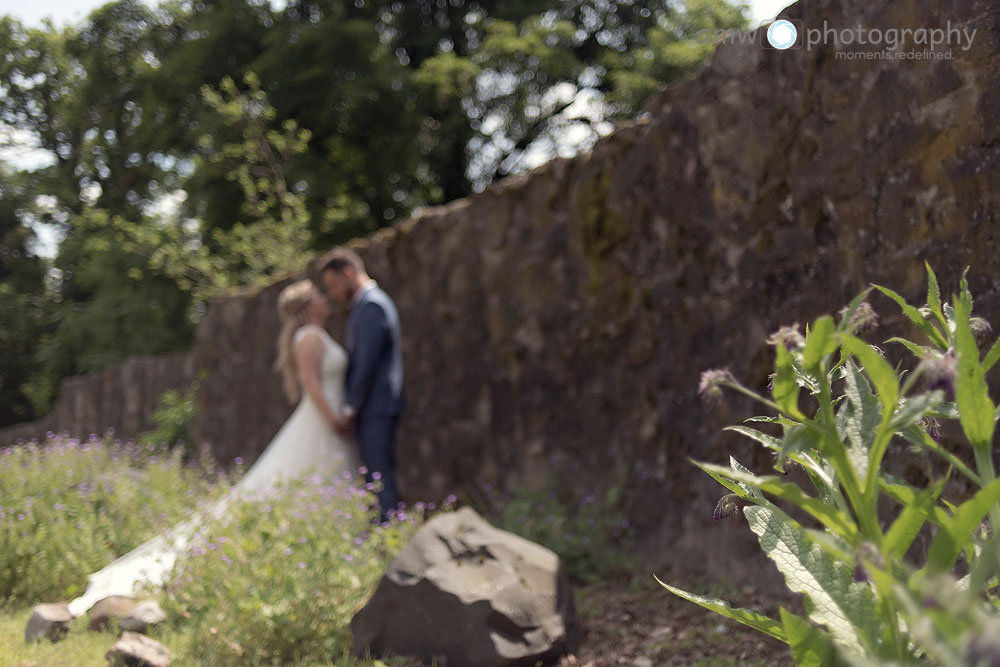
(870, 594)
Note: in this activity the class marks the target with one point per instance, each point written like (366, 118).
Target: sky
(69, 11)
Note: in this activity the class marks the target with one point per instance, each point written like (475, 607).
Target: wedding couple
(349, 404)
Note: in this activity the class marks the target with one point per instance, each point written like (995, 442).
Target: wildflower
(239, 460)
(302, 565)
(868, 554)
(288, 551)
(376, 476)
(710, 387)
(727, 506)
(940, 372)
(451, 499)
(787, 336)
(348, 558)
(864, 318)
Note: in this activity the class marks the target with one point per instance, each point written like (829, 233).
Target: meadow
(274, 580)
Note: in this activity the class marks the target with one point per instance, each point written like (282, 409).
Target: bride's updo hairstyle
(291, 302)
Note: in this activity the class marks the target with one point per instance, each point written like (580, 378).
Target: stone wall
(122, 397)
(555, 325)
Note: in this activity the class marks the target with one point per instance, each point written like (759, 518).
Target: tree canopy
(182, 136)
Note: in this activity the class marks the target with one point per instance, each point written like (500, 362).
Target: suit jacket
(375, 370)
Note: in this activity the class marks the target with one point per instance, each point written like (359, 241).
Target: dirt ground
(635, 621)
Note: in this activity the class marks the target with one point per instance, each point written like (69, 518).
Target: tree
(22, 301)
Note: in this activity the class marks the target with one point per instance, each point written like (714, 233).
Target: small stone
(135, 650)
(143, 616)
(642, 661)
(111, 607)
(48, 620)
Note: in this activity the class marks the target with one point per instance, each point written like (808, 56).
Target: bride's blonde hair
(292, 300)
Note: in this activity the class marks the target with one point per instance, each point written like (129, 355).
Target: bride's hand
(342, 425)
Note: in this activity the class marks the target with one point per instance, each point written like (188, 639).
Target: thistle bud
(727, 506)
(863, 319)
(940, 372)
(712, 381)
(787, 336)
(981, 329)
(868, 554)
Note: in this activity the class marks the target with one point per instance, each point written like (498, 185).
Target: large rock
(135, 650)
(49, 621)
(113, 607)
(142, 617)
(472, 594)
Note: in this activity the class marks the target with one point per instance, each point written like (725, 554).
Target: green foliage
(865, 600)
(587, 531)
(23, 306)
(273, 237)
(109, 303)
(67, 508)
(279, 578)
(173, 417)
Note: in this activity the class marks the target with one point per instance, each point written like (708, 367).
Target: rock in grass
(136, 650)
(111, 607)
(142, 617)
(472, 594)
(48, 621)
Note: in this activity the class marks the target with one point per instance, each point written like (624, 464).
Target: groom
(374, 397)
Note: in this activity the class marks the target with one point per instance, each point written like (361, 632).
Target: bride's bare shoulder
(313, 330)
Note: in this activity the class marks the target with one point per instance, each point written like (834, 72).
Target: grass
(83, 648)
(276, 580)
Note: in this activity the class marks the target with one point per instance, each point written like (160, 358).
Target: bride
(313, 367)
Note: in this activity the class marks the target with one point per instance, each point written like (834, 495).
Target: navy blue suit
(375, 386)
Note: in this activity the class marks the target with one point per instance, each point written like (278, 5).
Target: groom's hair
(339, 259)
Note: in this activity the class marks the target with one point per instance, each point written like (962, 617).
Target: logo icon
(782, 34)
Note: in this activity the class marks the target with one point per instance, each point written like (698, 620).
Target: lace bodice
(333, 369)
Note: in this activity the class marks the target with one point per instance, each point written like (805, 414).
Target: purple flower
(451, 499)
(376, 475)
(239, 460)
(348, 557)
(302, 565)
(302, 540)
(288, 551)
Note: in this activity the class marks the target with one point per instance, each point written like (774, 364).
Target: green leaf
(992, 356)
(785, 389)
(914, 408)
(971, 393)
(747, 617)
(834, 519)
(919, 351)
(911, 519)
(918, 436)
(819, 343)
(956, 531)
(929, 329)
(878, 370)
(810, 646)
(858, 418)
(934, 295)
(768, 441)
(723, 479)
(833, 599)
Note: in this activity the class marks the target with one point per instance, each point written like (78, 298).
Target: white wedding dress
(305, 442)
